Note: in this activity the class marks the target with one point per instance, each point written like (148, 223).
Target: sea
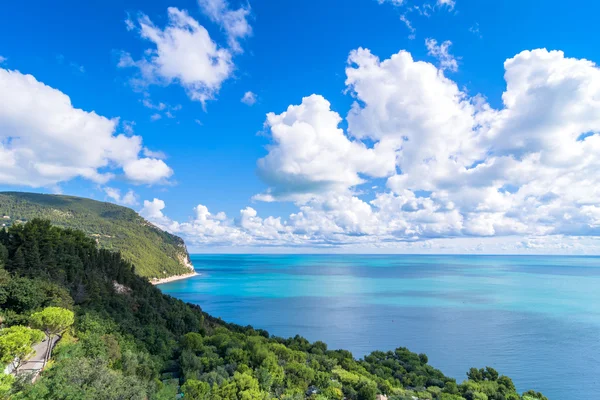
(533, 318)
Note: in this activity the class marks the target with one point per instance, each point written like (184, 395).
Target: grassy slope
(116, 228)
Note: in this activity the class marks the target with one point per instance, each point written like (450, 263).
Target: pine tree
(3, 255)
(32, 257)
(18, 261)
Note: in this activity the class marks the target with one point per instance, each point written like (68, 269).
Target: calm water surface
(533, 318)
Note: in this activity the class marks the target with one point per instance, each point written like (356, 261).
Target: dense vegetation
(129, 341)
(153, 252)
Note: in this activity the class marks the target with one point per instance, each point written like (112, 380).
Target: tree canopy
(16, 342)
(53, 320)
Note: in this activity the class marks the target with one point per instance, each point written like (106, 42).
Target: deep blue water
(533, 318)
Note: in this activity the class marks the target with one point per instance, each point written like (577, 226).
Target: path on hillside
(35, 363)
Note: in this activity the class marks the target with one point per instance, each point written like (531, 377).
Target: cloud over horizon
(453, 166)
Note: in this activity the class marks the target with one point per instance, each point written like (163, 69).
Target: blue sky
(332, 182)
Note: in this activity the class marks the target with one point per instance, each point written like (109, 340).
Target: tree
(475, 374)
(196, 390)
(192, 341)
(6, 382)
(16, 343)
(84, 379)
(490, 374)
(53, 321)
(532, 395)
(18, 261)
(451, 387)
(507, 383)
(3, 255)
(367, 391)
(4, 280)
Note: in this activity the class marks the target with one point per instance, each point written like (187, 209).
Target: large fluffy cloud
(45, 140)
(461, 167)
(460, 176)
(527, 168)
(184, 53)
(311, 154)
(412, 101)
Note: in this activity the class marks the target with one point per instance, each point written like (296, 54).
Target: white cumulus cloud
(128, 199)
(456, 167)
(389, 224)
(183, 52)
(408, 100)
(249, 98)
(446, 3)
(311, 154)
(147, 170)
(516, 170)
(45, 140)
(442, 53)
(207, 228)
(460, 176)
(233, 22)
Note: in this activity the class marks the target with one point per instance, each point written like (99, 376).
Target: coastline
(173, 278)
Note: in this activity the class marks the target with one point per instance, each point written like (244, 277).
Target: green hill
(153, 252)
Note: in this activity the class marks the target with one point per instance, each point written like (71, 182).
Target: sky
(369, 126)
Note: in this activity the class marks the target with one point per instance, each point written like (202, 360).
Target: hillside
(154, 252)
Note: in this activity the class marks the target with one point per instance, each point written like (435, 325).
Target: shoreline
(173, 278)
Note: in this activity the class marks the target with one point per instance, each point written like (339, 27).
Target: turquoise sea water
(533, 318)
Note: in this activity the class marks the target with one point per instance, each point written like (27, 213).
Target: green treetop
(16, 343)
(53, 321)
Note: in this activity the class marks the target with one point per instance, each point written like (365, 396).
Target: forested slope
(154, 252)
(129, 341)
